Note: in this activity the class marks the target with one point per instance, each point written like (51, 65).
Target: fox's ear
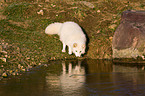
(75, 45)
(83, 46)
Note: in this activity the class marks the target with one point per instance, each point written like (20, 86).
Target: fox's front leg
(69, 50)
(64, 46)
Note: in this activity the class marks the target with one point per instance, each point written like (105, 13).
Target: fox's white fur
(71, 35)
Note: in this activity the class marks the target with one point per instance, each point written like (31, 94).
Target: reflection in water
(130, 80)
(70, 80)
(73, 79)
(77, 78)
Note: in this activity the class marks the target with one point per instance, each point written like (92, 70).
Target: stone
(3, 59)
(40, 12)
(129, 38)
(133, 16)
(88, 4)
(4, 74)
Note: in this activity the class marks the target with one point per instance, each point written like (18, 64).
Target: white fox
(71, 35)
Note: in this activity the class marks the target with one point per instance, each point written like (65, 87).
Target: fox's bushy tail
(53, 28)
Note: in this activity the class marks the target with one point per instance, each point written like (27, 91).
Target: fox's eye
(76, 51)
(80, 51)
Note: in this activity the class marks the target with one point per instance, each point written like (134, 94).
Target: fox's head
(79, 49)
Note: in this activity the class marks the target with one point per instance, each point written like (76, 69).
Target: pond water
(77, 78)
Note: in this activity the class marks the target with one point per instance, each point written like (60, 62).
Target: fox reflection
(72, 71)
(71, 78)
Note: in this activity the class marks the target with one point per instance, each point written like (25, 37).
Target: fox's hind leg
(64, 46)
(69, 50)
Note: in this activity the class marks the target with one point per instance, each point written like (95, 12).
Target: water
(77, 78)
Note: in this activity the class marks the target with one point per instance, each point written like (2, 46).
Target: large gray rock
(129, 37)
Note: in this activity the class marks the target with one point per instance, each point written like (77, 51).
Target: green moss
(19, 11)
(39, 24)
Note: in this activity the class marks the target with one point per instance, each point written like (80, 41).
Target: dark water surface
(77, 78)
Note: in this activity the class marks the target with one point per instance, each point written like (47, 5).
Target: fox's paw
(69, 53)
(63, 51)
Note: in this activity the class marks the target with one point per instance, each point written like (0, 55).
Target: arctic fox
(71, 35)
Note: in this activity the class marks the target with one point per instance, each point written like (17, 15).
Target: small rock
(23, 69)
(90, 5)
(98, 11)
(111, 38)
(52, 5)
(40, 5)
(113, 26)
(3, 59)
(29, 66)
(6, 56)
(4, 74)
(13, 73)
(2, 65)
(40, 12)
